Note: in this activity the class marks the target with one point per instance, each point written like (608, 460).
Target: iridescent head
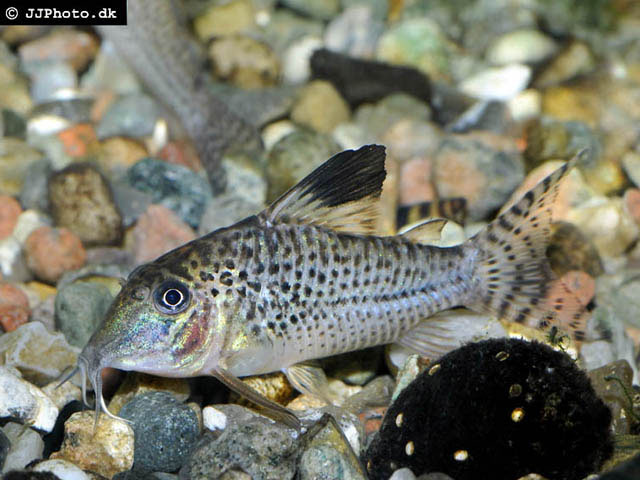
(159, 323)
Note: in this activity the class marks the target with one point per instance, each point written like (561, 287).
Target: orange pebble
(52, 251)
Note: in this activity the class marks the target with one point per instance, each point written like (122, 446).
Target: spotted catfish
(306, 278)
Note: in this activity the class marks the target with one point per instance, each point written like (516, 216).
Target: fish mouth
(91, 371)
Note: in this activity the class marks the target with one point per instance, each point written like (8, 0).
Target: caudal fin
(516, 282)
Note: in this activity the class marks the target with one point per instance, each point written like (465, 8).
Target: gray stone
(403, 474)
(49, 77)
(131, 202)
(327, 454)
(165, 431)
(81, 200)
(174, 186)
(377, 119)
(12, 124)
(34, 189)
(5, 446)
(13, 265)
(80, 307)
(613, 384)
(295, 156)
(320, 9)
(26, 446)
(286, 27)
(250, 443)
(472, 168)
(76, 109)
(225, 210)
(133, 115)
(354, 32)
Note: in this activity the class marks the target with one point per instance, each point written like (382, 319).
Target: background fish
(306, 278)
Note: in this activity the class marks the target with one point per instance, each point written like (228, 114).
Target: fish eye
(171, 297)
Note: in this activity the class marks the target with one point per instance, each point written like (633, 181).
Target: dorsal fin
(426, 232)
(341, 194)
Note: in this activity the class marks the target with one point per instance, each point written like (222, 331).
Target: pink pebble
(52, 251)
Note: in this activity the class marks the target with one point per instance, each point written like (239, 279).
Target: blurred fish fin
(310, 380)
(426, 232)
(341, 194)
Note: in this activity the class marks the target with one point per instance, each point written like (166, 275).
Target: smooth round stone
(133, 115)
(34, 189)
(50, 252)
(354, 32)
(502, 83)
(5, 446)
(75, 47)
(521, 46)
(174, 186)
(13, 123)
(80, 307)
(319, 9)
(420, 43)
(165, 431)
(16, 158)
(320, 107)
(48, 79)
(295, 60)
(379, 118)
(63, 469)
(26, 446)
(227, 18)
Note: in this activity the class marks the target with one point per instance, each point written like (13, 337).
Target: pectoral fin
(273, 409)
(309, 379)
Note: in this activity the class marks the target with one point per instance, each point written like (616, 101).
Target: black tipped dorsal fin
(426, 232)
(341, 194)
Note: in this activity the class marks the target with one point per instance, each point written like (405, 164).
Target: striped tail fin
(515, 281)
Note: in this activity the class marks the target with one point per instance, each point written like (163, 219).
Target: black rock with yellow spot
(498, 409)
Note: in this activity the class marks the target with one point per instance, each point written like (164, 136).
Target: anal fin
(273, 409)
(448, 330)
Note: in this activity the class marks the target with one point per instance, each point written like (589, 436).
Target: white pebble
(214, 419)
(21, 400)
(500, 84)
(26, 446)
(62, 469)
(296, 59)
(403, 474)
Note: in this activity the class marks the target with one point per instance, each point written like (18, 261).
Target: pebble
(109, 73)
(416, 185)
(570, 249)
(318, 9)
(273, 386)
(379, 118)
(355, 32)
(245, 178)
(132, 115)
(214, 419)
(49, 80)
(327, 453)
(62, 469)
(62, 395)
(500, 83)
(10, 209)
(181, 152)
(521, 46)
(613, 384)
(33, 194)
(25, 402)
(79, 141)
(244, 62)
(38, 354)
(131, 203)
(79, 310)
(295, 156)
(320, 107)
(75, 47)
(420, 43)
(224, 19)
(16, 158)
(50, 252)
(174, 186)
(106, 450)
(576, 59)
(82, 201)
(26, 446)
(403, 474)
(14, 307)
(471, 167)
(632, 203)
(5, 446)
(608, 224)
(354, 368)
(157, 231)
(136, 384)
(526, 105)
(227, 209)
(165, 431)
(250, 443)
(631, 165)
(297, 57)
